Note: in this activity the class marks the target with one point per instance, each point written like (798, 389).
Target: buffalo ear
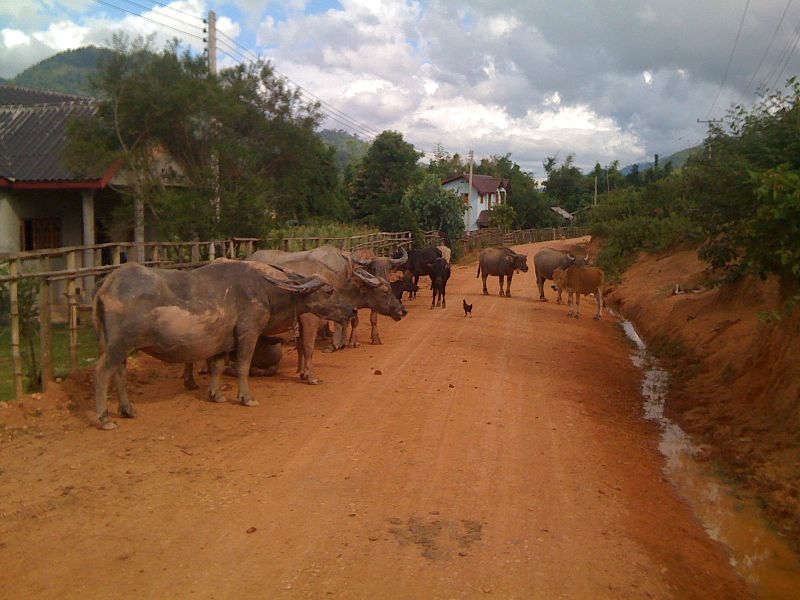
(510, 259)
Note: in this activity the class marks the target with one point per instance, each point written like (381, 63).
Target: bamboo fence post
(45, 333)
(16, 357)
(195, 252)
(116, 255)
(211, 251)
(72, 302)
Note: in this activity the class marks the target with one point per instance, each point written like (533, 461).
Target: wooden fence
(66, 276)
(483, 238)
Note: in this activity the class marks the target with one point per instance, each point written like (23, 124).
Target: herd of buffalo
(230, 310)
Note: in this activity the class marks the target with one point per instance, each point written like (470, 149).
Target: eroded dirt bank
(736, 382)
(500, 456)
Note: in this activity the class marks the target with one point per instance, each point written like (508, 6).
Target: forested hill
(66, 72)
(349, 148)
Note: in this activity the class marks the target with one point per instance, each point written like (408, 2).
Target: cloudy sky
(534, 78)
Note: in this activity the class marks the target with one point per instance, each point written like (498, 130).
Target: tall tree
(387, 170)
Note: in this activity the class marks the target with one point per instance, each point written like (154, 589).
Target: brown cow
(580, 280)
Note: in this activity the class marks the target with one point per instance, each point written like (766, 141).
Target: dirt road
(500, 456)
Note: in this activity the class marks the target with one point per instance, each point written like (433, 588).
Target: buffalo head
(518, 262)
(378, 294)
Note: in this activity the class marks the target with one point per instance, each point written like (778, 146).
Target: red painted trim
(64, 185)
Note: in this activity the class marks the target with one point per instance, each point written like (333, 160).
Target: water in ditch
(764, 559)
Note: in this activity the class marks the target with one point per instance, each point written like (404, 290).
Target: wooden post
(196, 253)
(304, 243)
(45, 333)
(116, 255)
(249, 250)
(211, 252)
(72, 302)
(14, 314)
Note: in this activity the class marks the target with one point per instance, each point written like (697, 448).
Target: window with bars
(39, 234)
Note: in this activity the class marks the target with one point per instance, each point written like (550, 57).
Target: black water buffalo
(419, 261)
(440, 273)
(501, 262)
(548, 260)
(188, 316)
(404, 284)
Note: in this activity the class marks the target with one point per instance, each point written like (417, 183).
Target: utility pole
(211, 42)
(211, 48)
(709, 121)
(469, 190)
(595, 190)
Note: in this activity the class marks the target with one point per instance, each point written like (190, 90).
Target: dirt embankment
(736, 380)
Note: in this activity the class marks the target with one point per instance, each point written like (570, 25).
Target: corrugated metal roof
(14, 94)
(33, 135)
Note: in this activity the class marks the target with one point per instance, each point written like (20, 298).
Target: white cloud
(15, 37)
(63, 35)
(648, 77)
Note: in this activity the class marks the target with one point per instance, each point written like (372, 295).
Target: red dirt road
(500, 456)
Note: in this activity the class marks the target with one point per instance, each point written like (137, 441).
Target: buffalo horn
(294, 275)
(309, 285)
(569, 256)
(396, 262)
(364, 262)
(367, 278)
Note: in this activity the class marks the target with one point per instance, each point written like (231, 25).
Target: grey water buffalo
(356, 285)
(440, 273)
(502, 262)
(446, 253)
(418, 263)
(381, 267)
(548, 260)
(188, 316)
(577, 280)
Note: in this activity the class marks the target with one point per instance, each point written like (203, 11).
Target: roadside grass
(87, 354)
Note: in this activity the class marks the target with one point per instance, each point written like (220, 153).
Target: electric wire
(330, 107)
(162, 14)
(114, 6)
(788, 56)
(785, 52)
(201, 19)
(730, 59)
(766, 51)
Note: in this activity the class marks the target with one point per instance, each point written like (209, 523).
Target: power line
(730, 59)
(769, 47)
(788, 56)
(199, 37)
(363, 127)
(787, 49)
(201, 19)
(161, 14)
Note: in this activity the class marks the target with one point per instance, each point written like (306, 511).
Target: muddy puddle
(763, 559)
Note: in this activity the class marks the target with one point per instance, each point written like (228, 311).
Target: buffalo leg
(443, 293)
(501, 277)
(110, 362)
(216, 365)
(188, 376)
(412, 295)
(485, 291)
(305, 349)
(120, 382)
(508, 285)
(373, 321)
(245, 346)
(598, 296)
(577, 314)
(353, 332)
(559, 300)
(540, 284)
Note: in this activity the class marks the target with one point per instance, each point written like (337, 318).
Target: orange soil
(738, 375)
(501, 455)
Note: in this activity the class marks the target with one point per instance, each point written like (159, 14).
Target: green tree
(378, 185)
(503, 216)
(242, 142)
(436, 208)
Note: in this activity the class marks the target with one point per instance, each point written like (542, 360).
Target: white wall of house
(17, 207)
(476, 202)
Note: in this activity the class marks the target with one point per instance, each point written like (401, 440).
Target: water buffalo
(187, 316)
(446, 253)
(418, 263)
(501, 262)
(577, 280)
(440, 273)
(359, 287)
(548, 260)
(382, 268)
(404, 284)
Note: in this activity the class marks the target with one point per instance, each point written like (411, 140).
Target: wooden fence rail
(70, 273)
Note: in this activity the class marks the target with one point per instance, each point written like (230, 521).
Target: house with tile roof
(42, 204)
(485, 192)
